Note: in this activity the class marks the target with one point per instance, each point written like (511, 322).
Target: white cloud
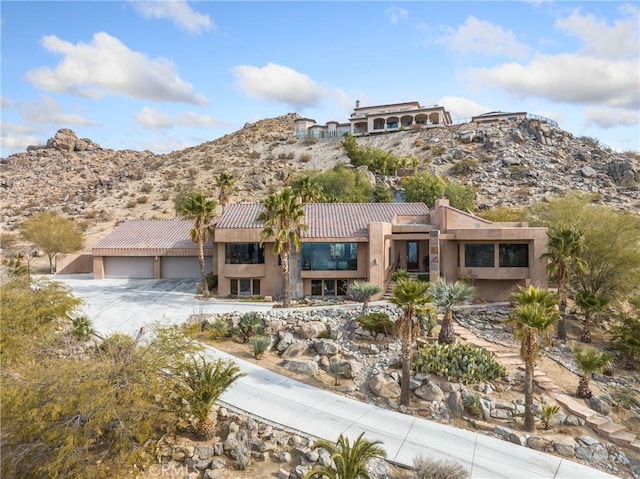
(478, 36)
(107, 66)
(279, 83)
(395, 14)
(177, 11)
(48, 111)
(567, 78)
(461, 108)
(155, 119)
(610, 118)
(601, 40)
(5, 103)
(15, 137)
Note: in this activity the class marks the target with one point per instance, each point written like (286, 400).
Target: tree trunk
(203, 274)
(285, 273)
(586, 329)
(563, 292)
(51, 264)
(583, 388)
(405, 384)
(447, 334)
(529, 417)
(365, 306)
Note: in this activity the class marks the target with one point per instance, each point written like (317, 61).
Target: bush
(400, 274)
(463, 363)
(218, 329)
(375, 322)
(305, 158)
(82, 328)
(428, 468)
(250, 324)
(212, 281)
(471, 403)
(547, 413)
(260, 344)
(464, 167)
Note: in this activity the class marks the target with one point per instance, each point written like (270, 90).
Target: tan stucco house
(345, 242)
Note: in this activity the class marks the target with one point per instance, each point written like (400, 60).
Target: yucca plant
(547, 413)
(362, 291)
(204, 382)
(349, 460)
(259, 345)
(446, 296)
(590, 361)
(335, 368)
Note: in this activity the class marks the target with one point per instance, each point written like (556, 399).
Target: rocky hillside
(509, 163)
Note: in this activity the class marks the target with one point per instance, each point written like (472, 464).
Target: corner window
(479, 255)
(514, 255)
(244, 253)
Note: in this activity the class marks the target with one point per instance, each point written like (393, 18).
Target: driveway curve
(127, 305)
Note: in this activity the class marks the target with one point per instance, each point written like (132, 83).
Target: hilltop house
(345, 242)
(377, 119)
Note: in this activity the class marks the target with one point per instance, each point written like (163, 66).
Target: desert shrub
(259, 344)
(471, 403)
(250, 324)
(375, 322)
(626, 337)
(142, 199)
(400, 274)
(463, 363)
(624, 397)
(192, 172)
(335, 368)
(146, 188)
(309, 140)
(439, 150)
(305, 158)
(131, 204)
(291, 141)
(254, 155)
(428, 468)
(82, 328)
(218, 329)
(418, 143)
(464, 167)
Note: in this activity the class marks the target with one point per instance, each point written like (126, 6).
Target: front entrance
(413, 263)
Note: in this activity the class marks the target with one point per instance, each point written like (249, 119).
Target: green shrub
(212, 281)
(547, 413)
(400, 274)
(82, 328)
(464, 167)
(218, 329)
(375, 322)
(250, 324)
(471, 403)
(463, 363)
(260, 344)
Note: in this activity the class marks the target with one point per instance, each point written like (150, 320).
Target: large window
(244, 253)
(514, 255)
(329, 287)
(330, 256)
(244, 287)
(479, 255)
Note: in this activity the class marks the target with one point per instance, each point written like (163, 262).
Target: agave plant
(335, 368)
(547, 413)
(259, 345)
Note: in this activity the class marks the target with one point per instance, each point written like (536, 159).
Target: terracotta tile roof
(151, 234)
(327, 220)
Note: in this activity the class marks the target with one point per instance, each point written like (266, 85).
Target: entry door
(413, 263)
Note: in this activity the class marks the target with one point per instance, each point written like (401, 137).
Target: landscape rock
(384, 386)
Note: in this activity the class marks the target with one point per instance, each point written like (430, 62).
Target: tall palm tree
(202, 211)
(283, 218)
(590, 361)
(226, 184)
(590, 303)
(308, 189)
(410, 296)
(350, 460)
(362, 291)
(446, 296)
(565, 245)
(532, 319)
(205, 381)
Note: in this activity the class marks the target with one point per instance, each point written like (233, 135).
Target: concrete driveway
(125, 305)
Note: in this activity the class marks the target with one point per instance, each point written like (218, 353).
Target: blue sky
(168, 75)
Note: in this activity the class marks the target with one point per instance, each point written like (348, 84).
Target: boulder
(384, 386)
(301, 366)
(351, 368)
(296, 349)
(429, 392)
(312, 329)
(326, 347)
(565, 445)
(539, 443)
(455, 404)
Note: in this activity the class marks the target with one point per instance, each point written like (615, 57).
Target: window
(514, 255)
(244, 253)
(330, 256)
(479, 255)
(244, 287)
(329, 287)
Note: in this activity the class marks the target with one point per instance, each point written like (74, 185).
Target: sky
(166, 75)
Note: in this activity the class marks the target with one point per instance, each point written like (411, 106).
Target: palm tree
(283, 218)
(349, 461)
(565, 246)
(226, 184)
(446, 296)
(410, 296)
(532, 319)
(308, 189)
(590, 303)
(362, 291)
(202, 210)
(590, 361)
(205, 381)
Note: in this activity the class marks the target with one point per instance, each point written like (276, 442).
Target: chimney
(357, 104)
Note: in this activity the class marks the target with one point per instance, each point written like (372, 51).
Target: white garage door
(140, 267)
(183, 266)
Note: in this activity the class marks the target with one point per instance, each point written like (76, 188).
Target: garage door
(183, 266)
(128, 267)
